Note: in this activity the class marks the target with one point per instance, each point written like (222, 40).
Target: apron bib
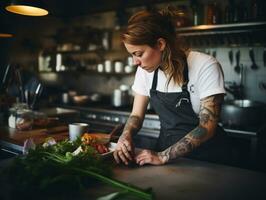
(178, 118)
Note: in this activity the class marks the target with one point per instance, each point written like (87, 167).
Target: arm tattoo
(209, 116)
(132, 126)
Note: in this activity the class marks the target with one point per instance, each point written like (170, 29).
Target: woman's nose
(136, 61)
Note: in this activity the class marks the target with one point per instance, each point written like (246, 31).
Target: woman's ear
(161, 43)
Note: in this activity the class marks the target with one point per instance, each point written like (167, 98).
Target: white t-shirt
(205, 79)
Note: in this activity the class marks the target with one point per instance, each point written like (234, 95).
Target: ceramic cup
(76, 130)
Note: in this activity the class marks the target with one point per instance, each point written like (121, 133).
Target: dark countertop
(186, 179)
(192, 179)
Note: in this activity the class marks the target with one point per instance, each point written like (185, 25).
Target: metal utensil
(231, 56)
(253, 66)
(237, 67)
(20, 85)
(36, 94)
(264, 57)
(5, 78)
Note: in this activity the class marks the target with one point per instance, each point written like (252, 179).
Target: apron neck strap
(185, 78)
(155, 79)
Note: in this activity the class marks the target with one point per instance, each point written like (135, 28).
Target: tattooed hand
(149, 157)
(125, 148)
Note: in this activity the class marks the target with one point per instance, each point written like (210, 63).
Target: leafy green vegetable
(53, 172)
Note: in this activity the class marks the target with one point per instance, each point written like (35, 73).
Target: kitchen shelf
(222, 29)
(89, 72)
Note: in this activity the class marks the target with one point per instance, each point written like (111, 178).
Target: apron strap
(155, 78)
(185, 78)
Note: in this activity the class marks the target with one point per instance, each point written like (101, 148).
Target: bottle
(182, 16)
(254, 10)
(212, 13)
(195, 13)
(228, 13)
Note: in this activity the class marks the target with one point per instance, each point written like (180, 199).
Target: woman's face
(144, 56)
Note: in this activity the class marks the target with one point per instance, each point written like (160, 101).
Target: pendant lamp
(5, 29)
(26, 7)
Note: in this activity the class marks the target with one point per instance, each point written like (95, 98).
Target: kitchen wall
(253, 80)
(42, 36)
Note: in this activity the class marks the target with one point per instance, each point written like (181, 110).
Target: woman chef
(184, 87)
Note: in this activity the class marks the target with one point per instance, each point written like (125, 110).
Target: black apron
(178, 118)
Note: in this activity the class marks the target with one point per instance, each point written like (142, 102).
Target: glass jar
(20, 117)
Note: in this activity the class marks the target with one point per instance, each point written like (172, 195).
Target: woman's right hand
(124, 151)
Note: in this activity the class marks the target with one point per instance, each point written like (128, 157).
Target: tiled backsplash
(251, 78)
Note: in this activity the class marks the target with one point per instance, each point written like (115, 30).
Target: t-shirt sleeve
(211, 80)
(140, 83)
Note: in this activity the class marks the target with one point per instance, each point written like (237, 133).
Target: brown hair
(146, 27)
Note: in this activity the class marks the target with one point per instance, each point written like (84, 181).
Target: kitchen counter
(186, 179)
(192, 179)
(181, 179)
(12, 140)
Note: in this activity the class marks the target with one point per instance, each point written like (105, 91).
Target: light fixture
(26, 7)
(5, 35)
(5, 29)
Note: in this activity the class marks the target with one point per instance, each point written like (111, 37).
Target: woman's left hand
(149, 157)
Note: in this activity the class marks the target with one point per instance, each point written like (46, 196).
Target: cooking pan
(243, 113)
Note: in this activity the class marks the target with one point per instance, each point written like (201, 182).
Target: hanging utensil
(231, 56)
(20, 84)
(253, 66)
(214, 53)
(237, 67)
(5, 78)
(264, 57)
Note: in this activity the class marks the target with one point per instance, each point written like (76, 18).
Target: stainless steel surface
(243, 113)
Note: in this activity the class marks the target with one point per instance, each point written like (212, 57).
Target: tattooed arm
(209, 115)
(125, 148)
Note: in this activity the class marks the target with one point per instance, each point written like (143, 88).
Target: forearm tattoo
(208, 118)
(132, 126)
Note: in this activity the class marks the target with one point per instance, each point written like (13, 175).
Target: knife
(36, 94)
(5, 78)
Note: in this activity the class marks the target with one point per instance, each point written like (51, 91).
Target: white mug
(76, 130)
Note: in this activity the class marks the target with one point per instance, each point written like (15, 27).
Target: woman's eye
(138, 54)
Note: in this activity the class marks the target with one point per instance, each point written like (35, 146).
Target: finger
(128, 146)
(115, 154)
(140, 158)
(122, 157)
(126, 153)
